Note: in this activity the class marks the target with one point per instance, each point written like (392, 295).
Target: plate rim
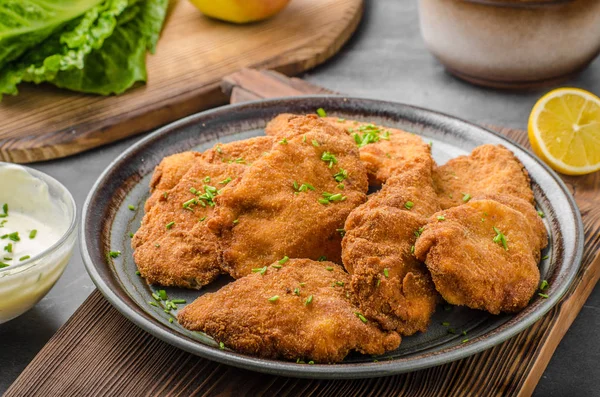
(325, 371)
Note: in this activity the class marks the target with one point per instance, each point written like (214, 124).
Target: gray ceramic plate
(107, 222)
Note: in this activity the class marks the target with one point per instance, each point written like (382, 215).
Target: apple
(240, 11)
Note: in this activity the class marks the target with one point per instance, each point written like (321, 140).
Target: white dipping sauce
(25, 275)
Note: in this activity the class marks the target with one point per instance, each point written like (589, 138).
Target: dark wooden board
(193, 55)
(99, 352)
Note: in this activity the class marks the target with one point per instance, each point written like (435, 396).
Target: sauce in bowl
(36, 237)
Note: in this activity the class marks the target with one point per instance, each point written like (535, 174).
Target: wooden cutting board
(193, 55)
(100, 352)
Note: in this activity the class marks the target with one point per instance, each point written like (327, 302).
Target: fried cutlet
(172, 168)
(489, 169)
(484, 254)
(382, 149)
(391, 286)
(298, 310)
(173, 246)
(293, 201)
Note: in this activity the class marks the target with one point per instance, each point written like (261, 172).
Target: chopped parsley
(207, 179)
(386, 272)
(32, 234)
(369, 133)
(284, 141)
(329, 158)
(321, 112)
(418, 232)
(466, 197)
(131, 207)
(322, 258)
(9, 248)
(500, 238)
(221, 345)
(329, 268)
(302, 188)
(24, 258)
(114, 254)
(441, 218)
(12, 236)
(315, 143)
(170, 225)
(225, 181)
(412, 249)
(236, 221)
(408, 205)
(545, 296)
(342, 232)
(283, 260)
(544, 285)
(541, 214)
(273, 298)
(545, 257)
(261, 270)
(361, 317)
(331, 197)
(308, 300)
(341, 175)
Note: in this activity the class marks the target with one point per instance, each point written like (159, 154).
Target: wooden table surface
(385, 60)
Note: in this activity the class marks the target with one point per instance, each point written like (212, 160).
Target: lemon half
(564, 130)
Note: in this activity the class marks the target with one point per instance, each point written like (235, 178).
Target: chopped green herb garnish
(2, 264)
(500, 238)
(321, 112)
(12, 236)
(541, 214)
(131, 234)
(330, 158)
(225, 181)
(323, 201)
(273, 298)
(24, 258)
(283, 260)
(261, 270)
(131, 207)
(308, 300)
(446, 324)
(2, 223)
(341, 186)
(157, 245)
(152, 303)
(302, 284)
(7, 259)
(322, 258)
(219, 149)
(221, 345)
(412, 249)
(5, 209)
(466, 197)
(315, 143)
(545, 296)
(284, 141)
(207, 179)
(137, 273)
(441, 217)
(304, 138)
(465, 340)
(342, 232)
(378, 282)
(236, 221)
(166, 194)
(418, 232)
(311, 362)
(544, 285)
(9, 248)
(170, 225)
(277, 266)
(177, 301)
(409, 204)
(114, 254)
(155, 296)
(386, 272)
(341, 120)
(545, 257)
(340, 283)
(163, 294)
(464, 333)
(341, 175)
(329, 268)
(171, 320)
(330, 197)
(296, 291)
(202, 219)
(361, 317)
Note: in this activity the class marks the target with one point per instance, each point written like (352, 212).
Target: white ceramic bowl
(25, 283)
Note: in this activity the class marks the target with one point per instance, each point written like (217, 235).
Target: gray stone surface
(386, 59)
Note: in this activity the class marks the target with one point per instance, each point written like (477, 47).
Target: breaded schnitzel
(391, 286)
(489, 169)
(173, 246)
(484, 254)
(297, 310)
(172, 168)
(293, 201)
(382, 149)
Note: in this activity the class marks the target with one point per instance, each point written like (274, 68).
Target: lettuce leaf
(26, 23)
(102, 52)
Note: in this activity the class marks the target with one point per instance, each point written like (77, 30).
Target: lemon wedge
(564, 130)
